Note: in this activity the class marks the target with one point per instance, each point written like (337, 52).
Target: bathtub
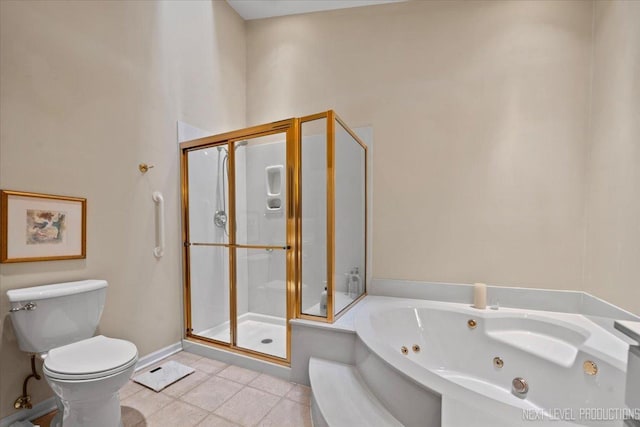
(469, 357)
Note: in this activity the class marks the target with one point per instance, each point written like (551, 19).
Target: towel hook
(144, 168)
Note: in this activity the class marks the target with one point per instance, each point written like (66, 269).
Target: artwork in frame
(41, 227)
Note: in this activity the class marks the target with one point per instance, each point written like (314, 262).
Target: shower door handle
(284, 248)
(236, 246)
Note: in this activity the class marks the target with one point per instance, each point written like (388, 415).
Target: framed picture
(41, 227)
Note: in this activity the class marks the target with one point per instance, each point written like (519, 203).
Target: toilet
(57, 322)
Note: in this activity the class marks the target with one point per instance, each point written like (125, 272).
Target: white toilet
(57, 323)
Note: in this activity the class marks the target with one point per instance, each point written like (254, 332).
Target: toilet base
(94, 413)
(91, 402)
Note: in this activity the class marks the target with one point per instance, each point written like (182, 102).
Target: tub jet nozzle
(520, 387)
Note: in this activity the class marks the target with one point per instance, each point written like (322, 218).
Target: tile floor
(215, 395)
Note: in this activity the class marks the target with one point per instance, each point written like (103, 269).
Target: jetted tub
(470, 358)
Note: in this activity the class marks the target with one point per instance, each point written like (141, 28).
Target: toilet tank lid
(55, 290)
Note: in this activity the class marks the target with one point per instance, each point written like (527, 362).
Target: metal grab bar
(158, 251)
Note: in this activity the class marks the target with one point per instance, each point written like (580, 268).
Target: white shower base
(253, 328)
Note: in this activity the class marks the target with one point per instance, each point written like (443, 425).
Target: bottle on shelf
(355, 283)
(323, 301)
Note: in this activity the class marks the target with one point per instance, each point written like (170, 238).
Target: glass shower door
(208, 251)
(260, 248)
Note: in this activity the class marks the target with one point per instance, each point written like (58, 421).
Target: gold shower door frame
(289, 128)
(292, 129)
(331, 118)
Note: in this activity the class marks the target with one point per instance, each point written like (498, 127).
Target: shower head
(237, 145)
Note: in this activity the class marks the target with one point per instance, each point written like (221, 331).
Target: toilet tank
(50, 316)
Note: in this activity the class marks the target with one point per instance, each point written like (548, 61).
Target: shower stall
(274, 228)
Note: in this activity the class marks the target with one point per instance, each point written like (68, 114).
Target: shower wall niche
(273, 215)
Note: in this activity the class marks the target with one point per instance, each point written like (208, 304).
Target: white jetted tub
(570, 371)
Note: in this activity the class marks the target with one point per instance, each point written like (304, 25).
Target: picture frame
(41, 227)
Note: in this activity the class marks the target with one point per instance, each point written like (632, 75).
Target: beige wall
(480, 113)
(484, 162)
(612, 268)
(88, 91)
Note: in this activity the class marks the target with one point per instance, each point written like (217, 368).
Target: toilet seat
(92, 358)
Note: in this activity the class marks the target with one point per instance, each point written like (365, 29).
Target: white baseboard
(157, 356)
(49, 405)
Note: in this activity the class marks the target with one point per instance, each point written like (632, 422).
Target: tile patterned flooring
(215, 395)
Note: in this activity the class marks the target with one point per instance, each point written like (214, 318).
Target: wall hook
(144, 168)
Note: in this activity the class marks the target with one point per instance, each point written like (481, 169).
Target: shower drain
(266, 341)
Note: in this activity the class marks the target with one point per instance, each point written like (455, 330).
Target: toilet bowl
(86, 377)
(86, 373)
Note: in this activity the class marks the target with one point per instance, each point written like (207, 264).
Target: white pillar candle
(480, 295)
